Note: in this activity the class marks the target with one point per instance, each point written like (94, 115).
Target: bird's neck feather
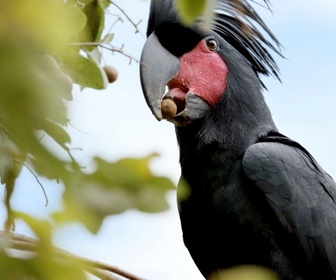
(234, 123)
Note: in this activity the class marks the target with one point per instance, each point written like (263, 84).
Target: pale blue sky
(117, 123)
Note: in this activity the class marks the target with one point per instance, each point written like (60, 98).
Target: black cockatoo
(257, 197)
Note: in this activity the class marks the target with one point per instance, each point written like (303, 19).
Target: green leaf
(26, 105)
(93, 29)
(57, 133)
(105, 3)
(84, 71)
(14, 268)
(39, 24)
(245, 272)
(52, 85)
(36, 268)
(42, 228)
(183, 190)
(46, 263)
(111, 189)
(189, 10)
(95, 55)
(11, 158)
(108, 38)
(75, 18)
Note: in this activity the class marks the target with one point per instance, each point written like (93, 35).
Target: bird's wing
(299, 191)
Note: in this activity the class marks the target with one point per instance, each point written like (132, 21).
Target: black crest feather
(240, 25)
(237, 22)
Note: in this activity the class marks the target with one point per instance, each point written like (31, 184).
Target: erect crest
(237, 22)
(240, 25)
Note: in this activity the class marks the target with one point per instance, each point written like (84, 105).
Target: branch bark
(99, 269)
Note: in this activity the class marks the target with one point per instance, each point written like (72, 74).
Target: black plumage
(257, 197)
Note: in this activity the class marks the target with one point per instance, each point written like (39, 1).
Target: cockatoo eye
(212, 44)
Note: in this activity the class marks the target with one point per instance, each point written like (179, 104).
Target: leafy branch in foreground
(47, 46)
(101, 270)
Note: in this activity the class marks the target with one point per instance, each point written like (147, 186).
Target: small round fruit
(111, 72)
(168, 108)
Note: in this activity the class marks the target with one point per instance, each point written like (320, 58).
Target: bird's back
(228, 220)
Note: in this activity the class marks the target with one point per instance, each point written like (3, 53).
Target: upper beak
(157, 67)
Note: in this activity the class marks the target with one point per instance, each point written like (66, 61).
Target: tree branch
(101, 270)
(128, 18)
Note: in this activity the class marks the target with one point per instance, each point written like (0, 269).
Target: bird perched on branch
(257, 197)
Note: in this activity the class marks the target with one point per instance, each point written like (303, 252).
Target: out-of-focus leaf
(57, 133)
(108, 38)
(11, 157)
(112, 189)
(84, 71)
(37, 268)
(46, 263)
(51, 86)
(245, 272)
(105, 3)
(75, 18)
(29, 97)
(183, 190)
(49, 74)
(95, 23)
(190, 9)
(95, 55)
(35, 23)
(37, 225)
(15, 268)
(146, 192)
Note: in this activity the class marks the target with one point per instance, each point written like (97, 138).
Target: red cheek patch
(202, 72)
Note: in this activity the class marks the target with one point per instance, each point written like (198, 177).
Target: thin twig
(104, 46)
(36, 178)
(119, 18)
(107, 267)
(99, 269)
(128, 18)
(103, 275)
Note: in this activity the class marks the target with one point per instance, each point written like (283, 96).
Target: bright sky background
(117, 123)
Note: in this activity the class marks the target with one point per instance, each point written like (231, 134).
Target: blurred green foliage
(45, 47)
(245, 272)
(190, 10)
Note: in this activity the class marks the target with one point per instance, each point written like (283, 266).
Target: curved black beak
(157, 67)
